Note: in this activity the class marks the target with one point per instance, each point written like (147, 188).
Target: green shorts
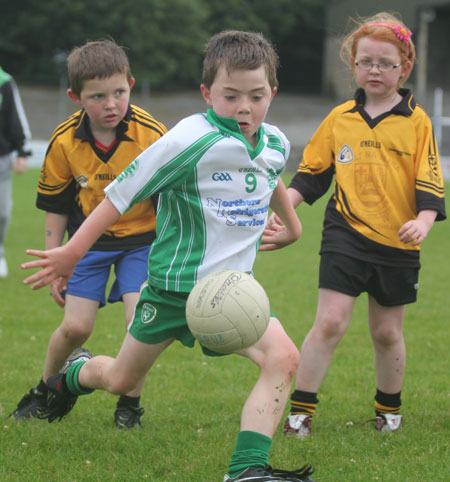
(161, 315)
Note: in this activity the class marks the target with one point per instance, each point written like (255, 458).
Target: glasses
(381, 66)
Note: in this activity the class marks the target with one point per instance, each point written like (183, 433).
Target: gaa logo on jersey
(345, 155)
(221, 176)
(148, 313)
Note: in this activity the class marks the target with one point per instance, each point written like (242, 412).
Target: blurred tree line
(164, 38)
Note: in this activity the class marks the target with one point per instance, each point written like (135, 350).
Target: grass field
(193, 402)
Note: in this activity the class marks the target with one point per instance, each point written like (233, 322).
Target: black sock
(42, 387)
(126, 401)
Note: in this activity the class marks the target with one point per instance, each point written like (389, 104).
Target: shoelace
(304, 471)
(379, 422)
(363, 422)
(368, 421)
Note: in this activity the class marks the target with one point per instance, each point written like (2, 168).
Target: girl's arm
(282, 205)
(60, 262)
(295, 196)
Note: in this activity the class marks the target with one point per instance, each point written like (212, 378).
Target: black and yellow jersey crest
(75, 173)
(386, 170)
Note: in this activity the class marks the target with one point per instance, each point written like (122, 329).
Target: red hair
(384, 27)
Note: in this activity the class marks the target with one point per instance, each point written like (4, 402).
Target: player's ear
(73, 97)
(206, 94)
(132, 81)
(274, 91)
(406, 68)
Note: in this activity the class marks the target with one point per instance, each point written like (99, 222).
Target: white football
(227, 311)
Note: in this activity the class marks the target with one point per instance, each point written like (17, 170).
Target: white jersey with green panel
(214, 194)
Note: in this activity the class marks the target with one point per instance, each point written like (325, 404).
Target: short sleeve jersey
(386, 170)
(214, 194)
(75, 173)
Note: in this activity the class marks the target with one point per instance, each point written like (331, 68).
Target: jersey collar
(83, 131)
(405, 107)
(230, 127)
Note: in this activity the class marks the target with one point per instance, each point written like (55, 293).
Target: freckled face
(244, 95)
(374, 82)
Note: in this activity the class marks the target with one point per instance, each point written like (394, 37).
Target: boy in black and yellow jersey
(86, 153)
(388, 191)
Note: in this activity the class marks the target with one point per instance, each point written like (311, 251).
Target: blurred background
(165, 40)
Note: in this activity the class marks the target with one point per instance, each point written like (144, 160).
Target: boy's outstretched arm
(292, 229)
(60, 262)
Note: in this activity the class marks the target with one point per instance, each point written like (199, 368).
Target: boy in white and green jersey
(216, 175)
(215, 190)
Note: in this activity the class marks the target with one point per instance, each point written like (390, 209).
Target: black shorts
(390, 286)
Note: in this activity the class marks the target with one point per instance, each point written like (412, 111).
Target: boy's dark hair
(239, 50)
(98, 59)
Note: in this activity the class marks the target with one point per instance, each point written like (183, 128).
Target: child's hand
(414, 232)
(57, 287)
(274, 223)
(20, 165)
(276, 238)
(55, 263)
(283, 227)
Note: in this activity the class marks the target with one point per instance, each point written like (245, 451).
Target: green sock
(71, 379)
(252, 450)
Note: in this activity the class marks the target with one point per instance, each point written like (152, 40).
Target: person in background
(15, 137)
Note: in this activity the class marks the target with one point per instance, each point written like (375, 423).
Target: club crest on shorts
(148, 313)
(345, 155)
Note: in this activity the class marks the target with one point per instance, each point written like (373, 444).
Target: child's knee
(332, 325)
(387, 335)
(75, 331)
(284, 357)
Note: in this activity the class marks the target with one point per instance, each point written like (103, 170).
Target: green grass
(193, 402)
